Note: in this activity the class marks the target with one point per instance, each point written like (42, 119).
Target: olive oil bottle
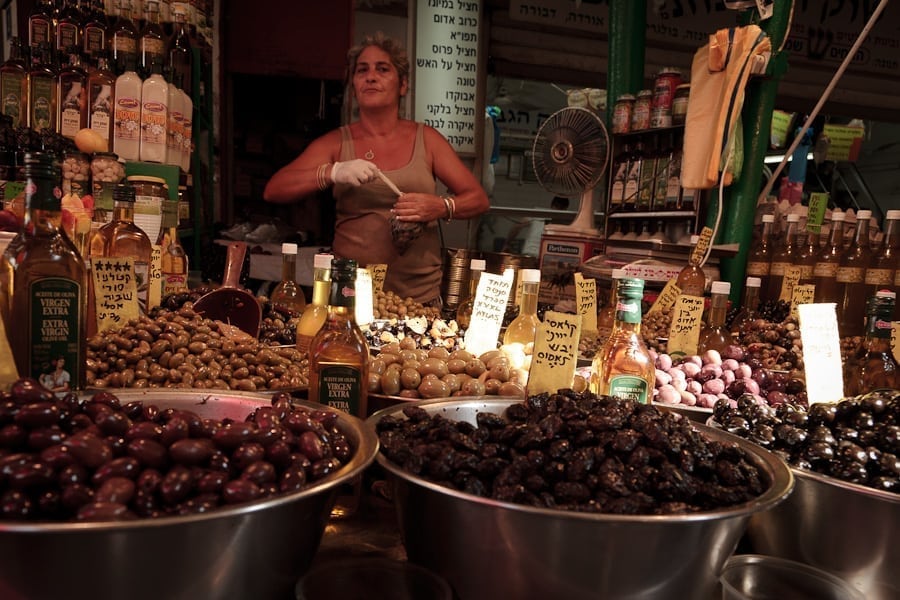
(623, 367)
(314, 314)
(43, 283)
(339, 364)
(339, 354)
(524, 327)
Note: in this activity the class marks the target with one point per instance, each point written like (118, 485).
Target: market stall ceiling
(567, 44)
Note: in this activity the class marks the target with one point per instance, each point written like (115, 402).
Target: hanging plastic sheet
(719, 74)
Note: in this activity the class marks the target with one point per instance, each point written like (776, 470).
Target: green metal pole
(627, 29)
(740, 199)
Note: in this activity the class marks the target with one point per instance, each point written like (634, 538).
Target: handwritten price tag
(702, 246)
(554, 358)
(821, 352)
(802, 294)
(684, 333)
(488, 310)
(154, 294)
(666, 299)
(790, 281)
(115, 291)
(586, 300)
(378, 272)
(818, 204)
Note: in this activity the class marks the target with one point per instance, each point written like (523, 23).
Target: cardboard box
(559, 259)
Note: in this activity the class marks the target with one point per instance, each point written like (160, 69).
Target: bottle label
(39, 31)
(70, 121)
(779, 268)
(632, 182)
(340, 387)
(629, 387)
(11, 92)
(174, 282)
(128, 119)
(151, 46)
(304, 342)
(153, 124)
(42, 89)
(94, 39)
(850, 274)
(757, 268)
(55, 329)
(124, 44)
(825, 269)
(879, 276)
(66, 35)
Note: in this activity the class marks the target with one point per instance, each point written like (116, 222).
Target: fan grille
(570, 151)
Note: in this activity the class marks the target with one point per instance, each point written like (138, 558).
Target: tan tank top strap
(419, 150)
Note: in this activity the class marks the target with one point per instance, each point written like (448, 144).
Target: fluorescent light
(777, 158)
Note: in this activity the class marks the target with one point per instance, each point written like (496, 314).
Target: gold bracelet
(450, 203)
(322, 176)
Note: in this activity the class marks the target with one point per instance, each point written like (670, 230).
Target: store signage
(154, 294)
(488, 311)
(554, 358)
(586, 301)
(790, 281)
(115, 291)
(815, 216)
(446, 69)
(844, 143)
(801, 294)
(821, 352)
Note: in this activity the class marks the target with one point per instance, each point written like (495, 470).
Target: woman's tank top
(363, 231)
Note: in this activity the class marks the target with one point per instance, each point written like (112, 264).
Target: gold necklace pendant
(370, 155)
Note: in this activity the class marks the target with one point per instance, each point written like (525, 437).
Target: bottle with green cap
(874, 367)
(626, 369)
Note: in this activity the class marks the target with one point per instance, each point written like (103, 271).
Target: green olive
(490, 354)
(435, 366)
(510, 389)
(461, 354)
(456, 365)
(374, 382)
(472, 387)
(390, 382)
(409, 394)
(392, 348)
(499, 371)
(410, 378)
(432, 387)
(492, 386)
(475, 367)
(439, 352)
(408, 343)
(406, 355)
(453, 382)
(389, 358)
(377, 365)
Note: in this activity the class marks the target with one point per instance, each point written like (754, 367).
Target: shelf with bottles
(645, 179)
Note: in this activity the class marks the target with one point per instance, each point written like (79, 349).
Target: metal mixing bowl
(845, 529)
(487, 549)
(257, 550)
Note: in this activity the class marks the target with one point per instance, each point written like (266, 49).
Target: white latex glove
(354, 172)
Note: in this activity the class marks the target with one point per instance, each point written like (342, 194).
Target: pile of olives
(855, 440)
(402, 369)
(575, 451)
(97, 459)
(184, 350)
(389, 305)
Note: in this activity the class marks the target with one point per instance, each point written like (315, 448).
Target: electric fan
(569, 155)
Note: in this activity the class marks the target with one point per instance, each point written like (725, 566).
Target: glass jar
(149, 195)
(106, 172)
(76, 171)
(622, 111)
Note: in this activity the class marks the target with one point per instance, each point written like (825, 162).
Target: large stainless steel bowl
(489, 550)
(846, 529)
(258, 550)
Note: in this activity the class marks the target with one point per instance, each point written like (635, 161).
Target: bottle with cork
(314, 315)
(760, 255)
(287, 296)
(828, 289)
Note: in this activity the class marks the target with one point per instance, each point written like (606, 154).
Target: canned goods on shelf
(660, 117)
(664, 88)
(76, 169)
(680, 103)
(640, 116)
(622, 111)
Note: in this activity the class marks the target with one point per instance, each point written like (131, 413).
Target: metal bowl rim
(781, 486)
(363, 456)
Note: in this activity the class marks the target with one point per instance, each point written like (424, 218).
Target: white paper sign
(821, 352)
(488, 310)
(365, 311)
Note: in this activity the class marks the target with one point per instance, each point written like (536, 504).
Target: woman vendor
(412, 155)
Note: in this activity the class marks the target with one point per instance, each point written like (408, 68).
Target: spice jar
(149, 195)
(76, 171)
(640, 116)
(622, 111)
